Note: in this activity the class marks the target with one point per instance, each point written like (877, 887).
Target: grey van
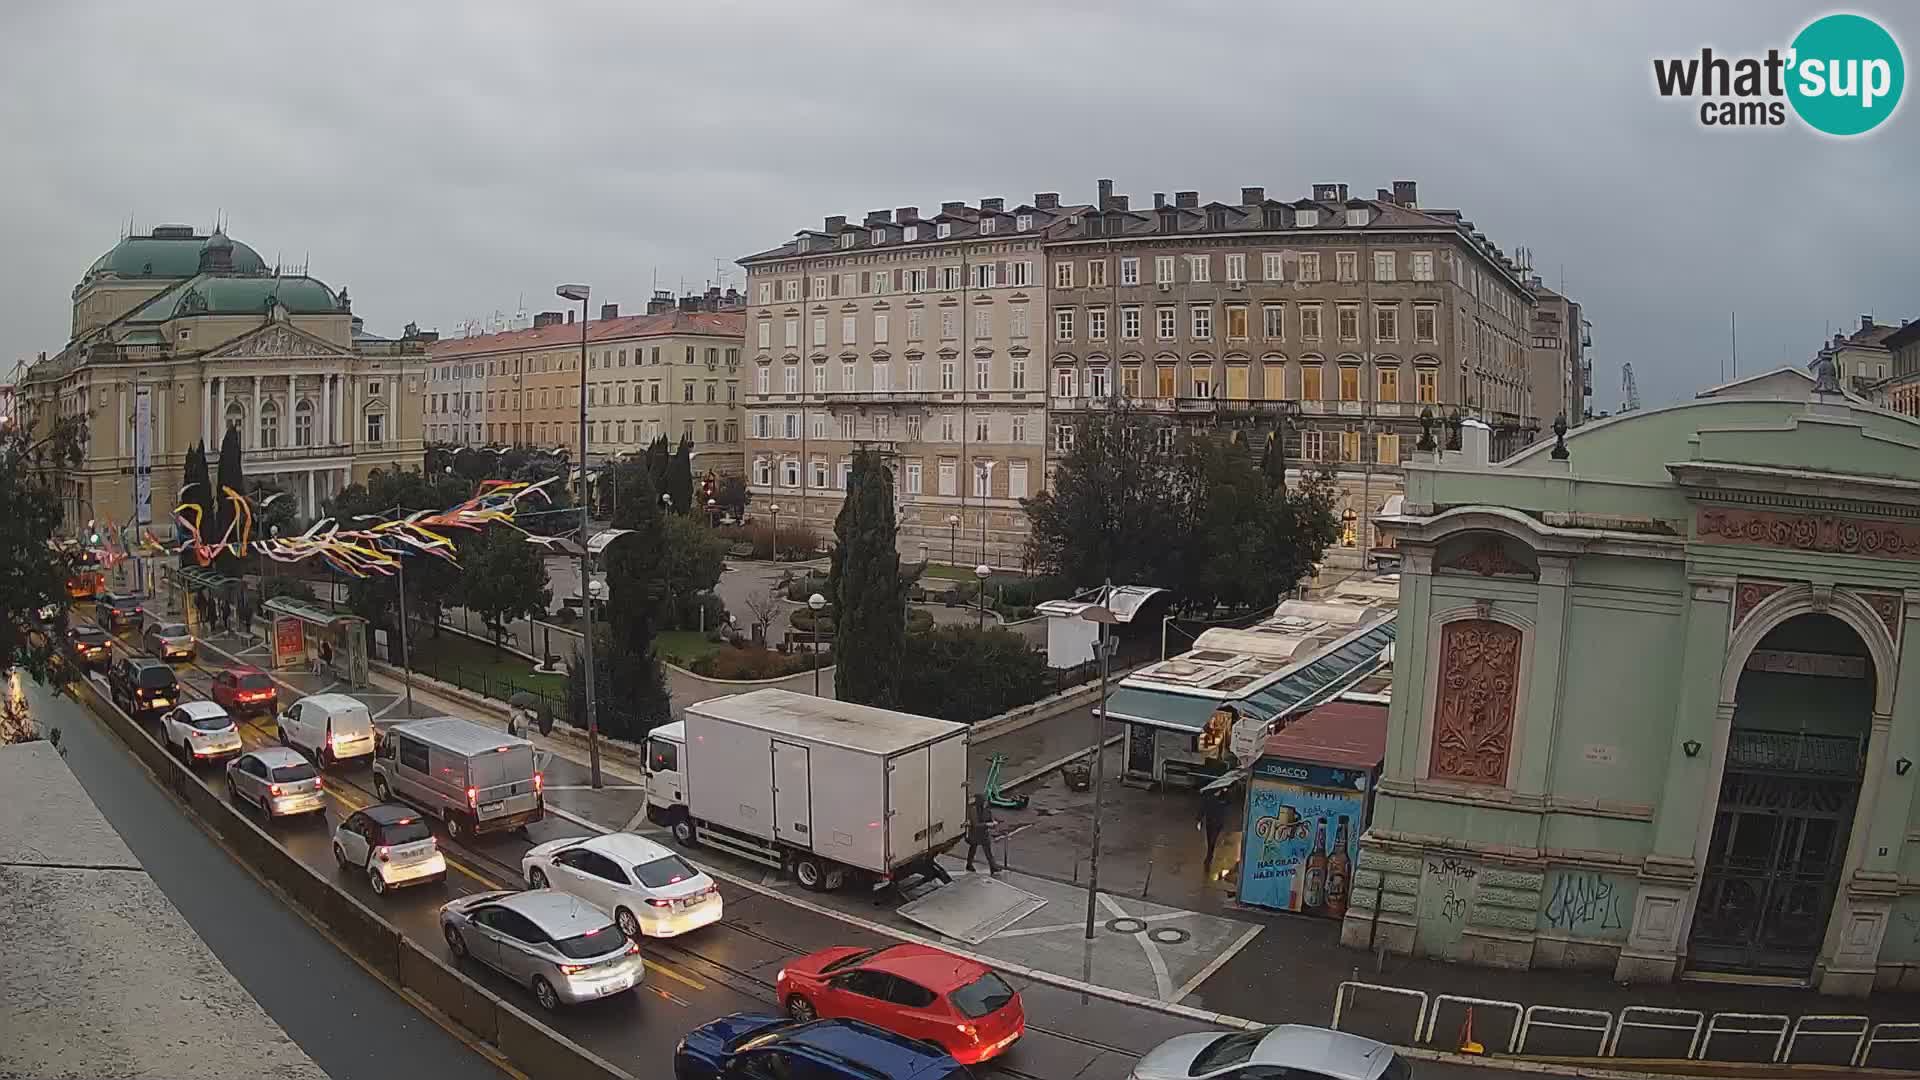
(476, 779)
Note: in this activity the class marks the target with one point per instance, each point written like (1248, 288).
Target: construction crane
(1629, 390)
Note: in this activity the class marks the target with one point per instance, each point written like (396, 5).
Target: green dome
(210, 294)
(173, 251)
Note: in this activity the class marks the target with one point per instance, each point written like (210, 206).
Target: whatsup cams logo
(1842, 75)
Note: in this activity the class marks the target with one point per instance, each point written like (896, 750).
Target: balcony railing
(1795, 752)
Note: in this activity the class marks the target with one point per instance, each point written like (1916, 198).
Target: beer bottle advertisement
(1315, 892)
(1339, 872)
(1284, 821)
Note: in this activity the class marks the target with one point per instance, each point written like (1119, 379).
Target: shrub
(797, 542)
(919, 622)
(803, 620)
(799, 588)
(963, 674)
(755, 662)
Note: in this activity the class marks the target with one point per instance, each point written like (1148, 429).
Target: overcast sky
(442, 161)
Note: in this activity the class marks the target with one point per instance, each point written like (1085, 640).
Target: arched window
(236, 418)
(269, 425)
(303, 423)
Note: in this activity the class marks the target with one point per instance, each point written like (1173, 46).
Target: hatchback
(245, 690)
(276, 780)
(648, 888)
(169, 641)
(563, 948)
(392, 844)
(90, 646)
(753, 1046)
(1288, 1050)
(111, 610)
(200, 731)
(918, 991)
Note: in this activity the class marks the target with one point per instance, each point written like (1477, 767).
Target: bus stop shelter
(298, 631)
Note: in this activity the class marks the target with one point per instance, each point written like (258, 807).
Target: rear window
(592, 943)
(288, 774)
(663, 871)
(505, 766)
(1227, 1050)
(89, 635)
(407, 832)
(172, 629)
(255, 681)
(153, 677)
(986, 994)
(856, 958)
(210, 723)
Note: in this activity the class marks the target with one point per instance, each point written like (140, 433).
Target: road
(724, 968)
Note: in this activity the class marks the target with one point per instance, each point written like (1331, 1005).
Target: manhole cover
(1169, 935)
(1126, 925)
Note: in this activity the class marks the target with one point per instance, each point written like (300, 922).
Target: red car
(912, 990)
(243, 690)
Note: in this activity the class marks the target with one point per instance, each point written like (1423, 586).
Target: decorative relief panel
(1870, 537)
(1747, 596)
(1473, 716)
(1488, 558)
(1888, 606)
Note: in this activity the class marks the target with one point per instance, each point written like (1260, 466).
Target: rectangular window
(820, 286)
(1019, 427)
(1020, 274)
(950, 277)
(1383, 269)
(790, 290)
(1349, 446)
(1203, 382)
(986, 225)
(1096, 323)
(880, 329)
(1130, 271)
(1163, 269)
(1310, 379)
(1097, 382)
(913, 427)
(1273, 377)
(949, 477)
(1309, 264)
(1022, 222)
(882, 425)
(793, 333)
(1203, 323)
(913, 478)
(1130, 381)
(1346, 265)
(1062, 438)
(1199, 268)
(1129, 324)
(790, 470)
(1357, 216)
(1386, 449)
(1349, 325)
(1063, 275)
(848, 335)
(376, 427)
(1019, 373)
(819, 473)
(1236, 268)
(1423, 323)
(819, 378)
(917, 280)
(1017, 480)
(1064, 382)
(1236, 323)
(882, 377)
(1167, 323)
(793, 425)
(980, 428)
(982, 479)
(946, 428)
(1426, 386)
(820, 331)
(916, 325)
(1420, 265)
(766, 292)
(760, 428)
(914, 381)
(817, 426)
(766, 333)
(947, 376)
(982, 374)
(849, 377)
(1349, 382)
(1386, 323)
(1312, 446)
(790, 381)
(761, 378)
(1271, 268)
(1273, 322)
(986, 275)
(1017, 324)
(1389, 384)
(982, 323)
(1063, 325)
(1163, 381)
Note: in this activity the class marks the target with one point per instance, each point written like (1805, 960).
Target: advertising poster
(289, 641)
(1301, 846)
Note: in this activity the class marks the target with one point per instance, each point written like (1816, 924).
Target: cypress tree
(195, 484)
(869, 599)
(230, 477)
(636, 588)
(680, 477)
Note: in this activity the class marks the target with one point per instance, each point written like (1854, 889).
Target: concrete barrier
(467, 1002)
(542, 1055)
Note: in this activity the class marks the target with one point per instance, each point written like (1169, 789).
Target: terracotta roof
(719, 324)
(1343, 734)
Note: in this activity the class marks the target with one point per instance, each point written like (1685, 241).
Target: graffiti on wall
(1586, 903)
(1453, 877)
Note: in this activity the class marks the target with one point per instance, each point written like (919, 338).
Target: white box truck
(824, 789)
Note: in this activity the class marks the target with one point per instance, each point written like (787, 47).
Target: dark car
(142, 685)
(750, 1046)
(114, 610)
(90, 646)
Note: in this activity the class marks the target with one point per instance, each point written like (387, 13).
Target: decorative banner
(143, 456)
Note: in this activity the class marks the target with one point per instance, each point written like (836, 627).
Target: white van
(329, 728)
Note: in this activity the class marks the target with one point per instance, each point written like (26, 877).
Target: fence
(1645, 1031)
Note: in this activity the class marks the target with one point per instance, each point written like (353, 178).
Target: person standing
(1213, 821)
(980, 834)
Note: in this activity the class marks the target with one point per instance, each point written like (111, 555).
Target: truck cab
(666, 782)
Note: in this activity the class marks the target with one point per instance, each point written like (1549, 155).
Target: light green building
(1656, 704)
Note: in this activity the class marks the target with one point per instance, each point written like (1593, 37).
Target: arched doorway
(1794, 762)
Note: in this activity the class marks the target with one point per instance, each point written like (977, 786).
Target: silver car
(169, 641)
(564, 948)
(1285, 1050)
(277, 780)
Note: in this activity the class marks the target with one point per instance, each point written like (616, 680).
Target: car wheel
(801, 1009)
(456, 944)
(380, 788)
(340, 856)
(233, 793)
(376, 879)
(684, 832)
(544, 994)
(810, 872)
(628, 925)
(180, 751)
(536, 878)
(456, 827)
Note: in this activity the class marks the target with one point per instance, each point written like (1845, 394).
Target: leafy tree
(658, 458)
(274, 508)
(963, 674)
(732, 495)
(503, 578)
(693, 560)
(32, 573)
(636, 566)
(230, 477)
(680, 476)
(1116, 506)
(196, 486)
(870, 600)
(1273, 458)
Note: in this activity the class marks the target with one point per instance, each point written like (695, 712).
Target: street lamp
(580, 293)
(816, 603)
(953, 539)
(981, 572)
(1103, 615)
(774, 509)
(713, 512)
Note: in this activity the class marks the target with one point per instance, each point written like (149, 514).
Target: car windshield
(153, 678)
(287, 774)
(988, 993)
(592, 943)
(406, 831)
(254, 681)
(667, 870)
(849, 961)
(1227, 1050)
(216, 722)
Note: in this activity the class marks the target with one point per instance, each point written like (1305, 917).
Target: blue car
(745, 1046)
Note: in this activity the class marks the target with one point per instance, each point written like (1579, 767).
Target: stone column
(254, 415)
(219, 418)
(313, 507)
(122, 445)
(206, 410)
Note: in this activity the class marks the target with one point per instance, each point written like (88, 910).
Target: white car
(200, 731)
(647, 888)
(392, 844)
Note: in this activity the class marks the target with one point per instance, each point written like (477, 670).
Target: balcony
(886, 397)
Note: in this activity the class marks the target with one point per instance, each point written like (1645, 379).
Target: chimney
(1383, 194)
(998, 206)
(1120, 201)
(1186, 200)
(1405, 192)
(1159, 200)
(907, 215)
(662, 301)
(1252, 196)
(879, 217)
(952, 207)
(689, 303)
(1866, 323)
(1476, 443)
(609, 311)
(1326, 192)
(836, 223)
(569, 316)
(546, 318)
(1106, 194)
(1343, 192)
(1046, 200)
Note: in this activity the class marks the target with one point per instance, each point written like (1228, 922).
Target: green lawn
(683, 646)
(479, 666)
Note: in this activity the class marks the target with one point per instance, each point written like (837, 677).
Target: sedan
(649, 889)
(277, 780)
(562, 947)
(747, 1045)
(244, 690)
(392, 844)
(917, 991)
(169, 641)
(1286, 1050)
(90, 646)
(200, 731)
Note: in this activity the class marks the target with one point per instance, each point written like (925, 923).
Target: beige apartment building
(1557, 356)
(673, 372)
(1336, 319)
(923, 337)
(179, 337)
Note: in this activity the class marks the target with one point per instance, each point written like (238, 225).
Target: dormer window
(1023, 223)
(878, 236)
(912, 233)
(1216, 220)
(1273, 218)
(1306, 219)
(846, 239)
(943, 230)
(1357, 217)
(986, 225)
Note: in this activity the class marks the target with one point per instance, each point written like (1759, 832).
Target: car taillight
(572, 969)
(382, 852)
(654, 901)
(318, 783)
(969, 1031)
(539, 783)
(329, 739)
(633, 948)
(473, 797)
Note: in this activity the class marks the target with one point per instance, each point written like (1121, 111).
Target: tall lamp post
(1103, 615)
(774, 509)
(953, 539)
(982, 572)
(580, 293)
(713, 512)
(816, 604)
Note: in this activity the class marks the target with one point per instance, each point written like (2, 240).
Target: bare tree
(763, 607)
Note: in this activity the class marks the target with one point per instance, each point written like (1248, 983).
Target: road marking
(590, 787)
(655, 965)
(1215, 964)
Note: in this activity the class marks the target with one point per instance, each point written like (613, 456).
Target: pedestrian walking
(980, 834)
(1213, 820)
(326, 655)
